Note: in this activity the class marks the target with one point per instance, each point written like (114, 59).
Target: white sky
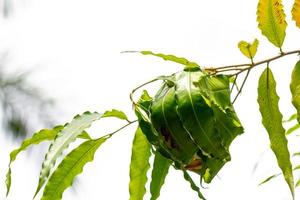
(75, 47)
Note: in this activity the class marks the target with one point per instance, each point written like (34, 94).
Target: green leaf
(188, 64)
(292, 117)
(296, 154)
(70, 167)
(66, 136)
(38, 137)
(196, 116)
(295, 88)
(271, 20)
(84, 135)
(139, 165)
(216, 90)
(296, 12)
(62, 141)
(160, 170)
(269, 178)
(292, 129)
(115, 113)
(272, 120)
(192, 184)
(249, 50)
(297, 183)
(163, 116)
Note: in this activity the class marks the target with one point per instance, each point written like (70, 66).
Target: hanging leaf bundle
(191, 121)
(188, 124)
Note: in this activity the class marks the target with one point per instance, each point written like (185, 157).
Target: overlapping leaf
(295, 88)
(188, 64)
(67, 135)
(296, 12)
(249, 50)
(196, 116)
(41, 136)
(69, 168)
(139, 165)
(159, 172)
(272, 120)
(271, 20)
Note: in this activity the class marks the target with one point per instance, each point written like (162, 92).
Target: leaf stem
(119, 129)
(140, 86)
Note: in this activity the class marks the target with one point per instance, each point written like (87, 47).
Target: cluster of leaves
(150, 138)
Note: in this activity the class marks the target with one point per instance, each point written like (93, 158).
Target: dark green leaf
(163, 116)
(139, 165)
(69, 168)
(160, 170)
(295, 88)
(272, 120)
(196, 116)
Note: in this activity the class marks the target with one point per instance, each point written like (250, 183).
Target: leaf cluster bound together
(188, 124)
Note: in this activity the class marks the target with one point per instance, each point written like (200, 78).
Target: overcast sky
(74, 47)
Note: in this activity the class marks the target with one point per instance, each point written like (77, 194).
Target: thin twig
(244, 67)
(244, 81)
(119, 129)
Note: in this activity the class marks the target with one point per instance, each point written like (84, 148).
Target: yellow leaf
(249, 50)
(271, 20)
(296, 12)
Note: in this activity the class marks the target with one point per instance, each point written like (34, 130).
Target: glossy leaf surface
(272, 121)
(166, 121)
(271, 20)
(196, 116)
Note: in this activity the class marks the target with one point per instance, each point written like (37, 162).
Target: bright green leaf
(139, 165)
(188, 64)
(38, 137)
(271, 20)
(249, 50)
(115, 113)
(194, 187)
(296, 12)
(292, 117)
(292, 129)
(160, 170)
(272, 120)
(62, 141)
(297, 183)
(269, 178)
(69, 168)
(295, 88)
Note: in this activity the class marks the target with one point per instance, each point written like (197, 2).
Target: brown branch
(244, 67)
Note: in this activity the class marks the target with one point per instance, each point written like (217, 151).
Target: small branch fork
(237, 69)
